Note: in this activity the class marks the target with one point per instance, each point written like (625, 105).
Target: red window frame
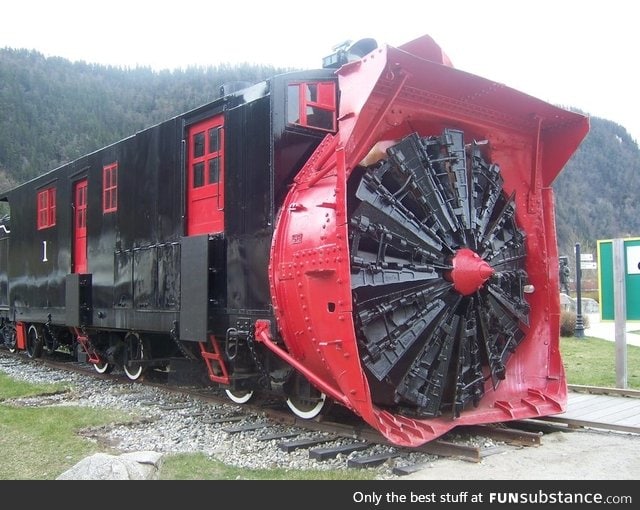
(309, 99)
(110, 188)
(46, 207)
(209, 151)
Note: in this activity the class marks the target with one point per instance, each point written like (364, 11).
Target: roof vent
(347, 52)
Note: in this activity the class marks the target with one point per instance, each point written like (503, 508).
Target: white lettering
(360, 497)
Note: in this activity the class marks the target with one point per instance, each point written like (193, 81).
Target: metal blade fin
(424, 383)
(421, 188)
(504, 334)
(507, 289)
(488, 336)
(452, 171)
(382, 257)
(487, 190)
(391, 326)
(381, 208)
(469, 385)
(502, 231)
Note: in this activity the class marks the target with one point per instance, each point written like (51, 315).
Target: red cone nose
(469, 272)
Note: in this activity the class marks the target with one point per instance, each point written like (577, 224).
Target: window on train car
(214, 140)
(312, 104)
(198, 145)
(110, 188)
(46, 205)
(214, 170)
(214, 152)
(207, 144)
(198, 175)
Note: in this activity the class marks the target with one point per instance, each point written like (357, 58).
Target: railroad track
(339, 433)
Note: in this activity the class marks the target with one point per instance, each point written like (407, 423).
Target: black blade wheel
(437, 274)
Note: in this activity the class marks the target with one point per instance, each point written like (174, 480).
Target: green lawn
(592, 362)
(40, 442)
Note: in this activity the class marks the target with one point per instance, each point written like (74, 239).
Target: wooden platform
(610, 412)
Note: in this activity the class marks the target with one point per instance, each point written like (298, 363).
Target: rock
(128, 466)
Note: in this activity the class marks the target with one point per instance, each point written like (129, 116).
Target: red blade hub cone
(469, 272)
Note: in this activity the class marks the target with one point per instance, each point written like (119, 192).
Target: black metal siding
(248, 206)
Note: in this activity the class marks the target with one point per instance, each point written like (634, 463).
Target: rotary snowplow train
(378, 233)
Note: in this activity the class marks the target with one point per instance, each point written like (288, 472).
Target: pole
(620, 312)
(579, 329)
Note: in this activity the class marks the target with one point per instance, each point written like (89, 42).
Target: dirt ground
(578, 454)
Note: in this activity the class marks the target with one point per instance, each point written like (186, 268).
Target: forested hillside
(53, 111)
(597, 192)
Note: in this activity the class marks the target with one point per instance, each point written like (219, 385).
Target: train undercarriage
(243, 370)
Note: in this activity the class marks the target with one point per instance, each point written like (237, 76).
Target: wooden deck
(609, 412)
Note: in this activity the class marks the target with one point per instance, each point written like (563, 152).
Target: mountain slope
(597, 192)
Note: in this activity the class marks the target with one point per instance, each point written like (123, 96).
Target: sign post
(620, 312)
(579, 329)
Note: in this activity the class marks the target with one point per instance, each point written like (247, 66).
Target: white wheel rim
(239, 398)
(133, 375)
(311, 413)
(101, 367)
(32, 344)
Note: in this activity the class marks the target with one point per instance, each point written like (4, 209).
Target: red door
(80, 227)
(205, 177)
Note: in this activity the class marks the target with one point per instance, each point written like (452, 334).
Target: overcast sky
(568, 52)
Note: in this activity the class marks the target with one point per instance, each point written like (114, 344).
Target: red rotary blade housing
(419, 300)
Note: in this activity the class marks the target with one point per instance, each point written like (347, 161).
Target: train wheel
(308, 407)
(239, 396)
(34, 342)
(103, 367)
(303, 399)
(136, 351)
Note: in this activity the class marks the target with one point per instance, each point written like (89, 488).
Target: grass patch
(202, 467)
(592, 362)
(39, 443)
(11, 388)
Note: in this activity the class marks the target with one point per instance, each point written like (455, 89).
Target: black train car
(167, 231)
(377, 233)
